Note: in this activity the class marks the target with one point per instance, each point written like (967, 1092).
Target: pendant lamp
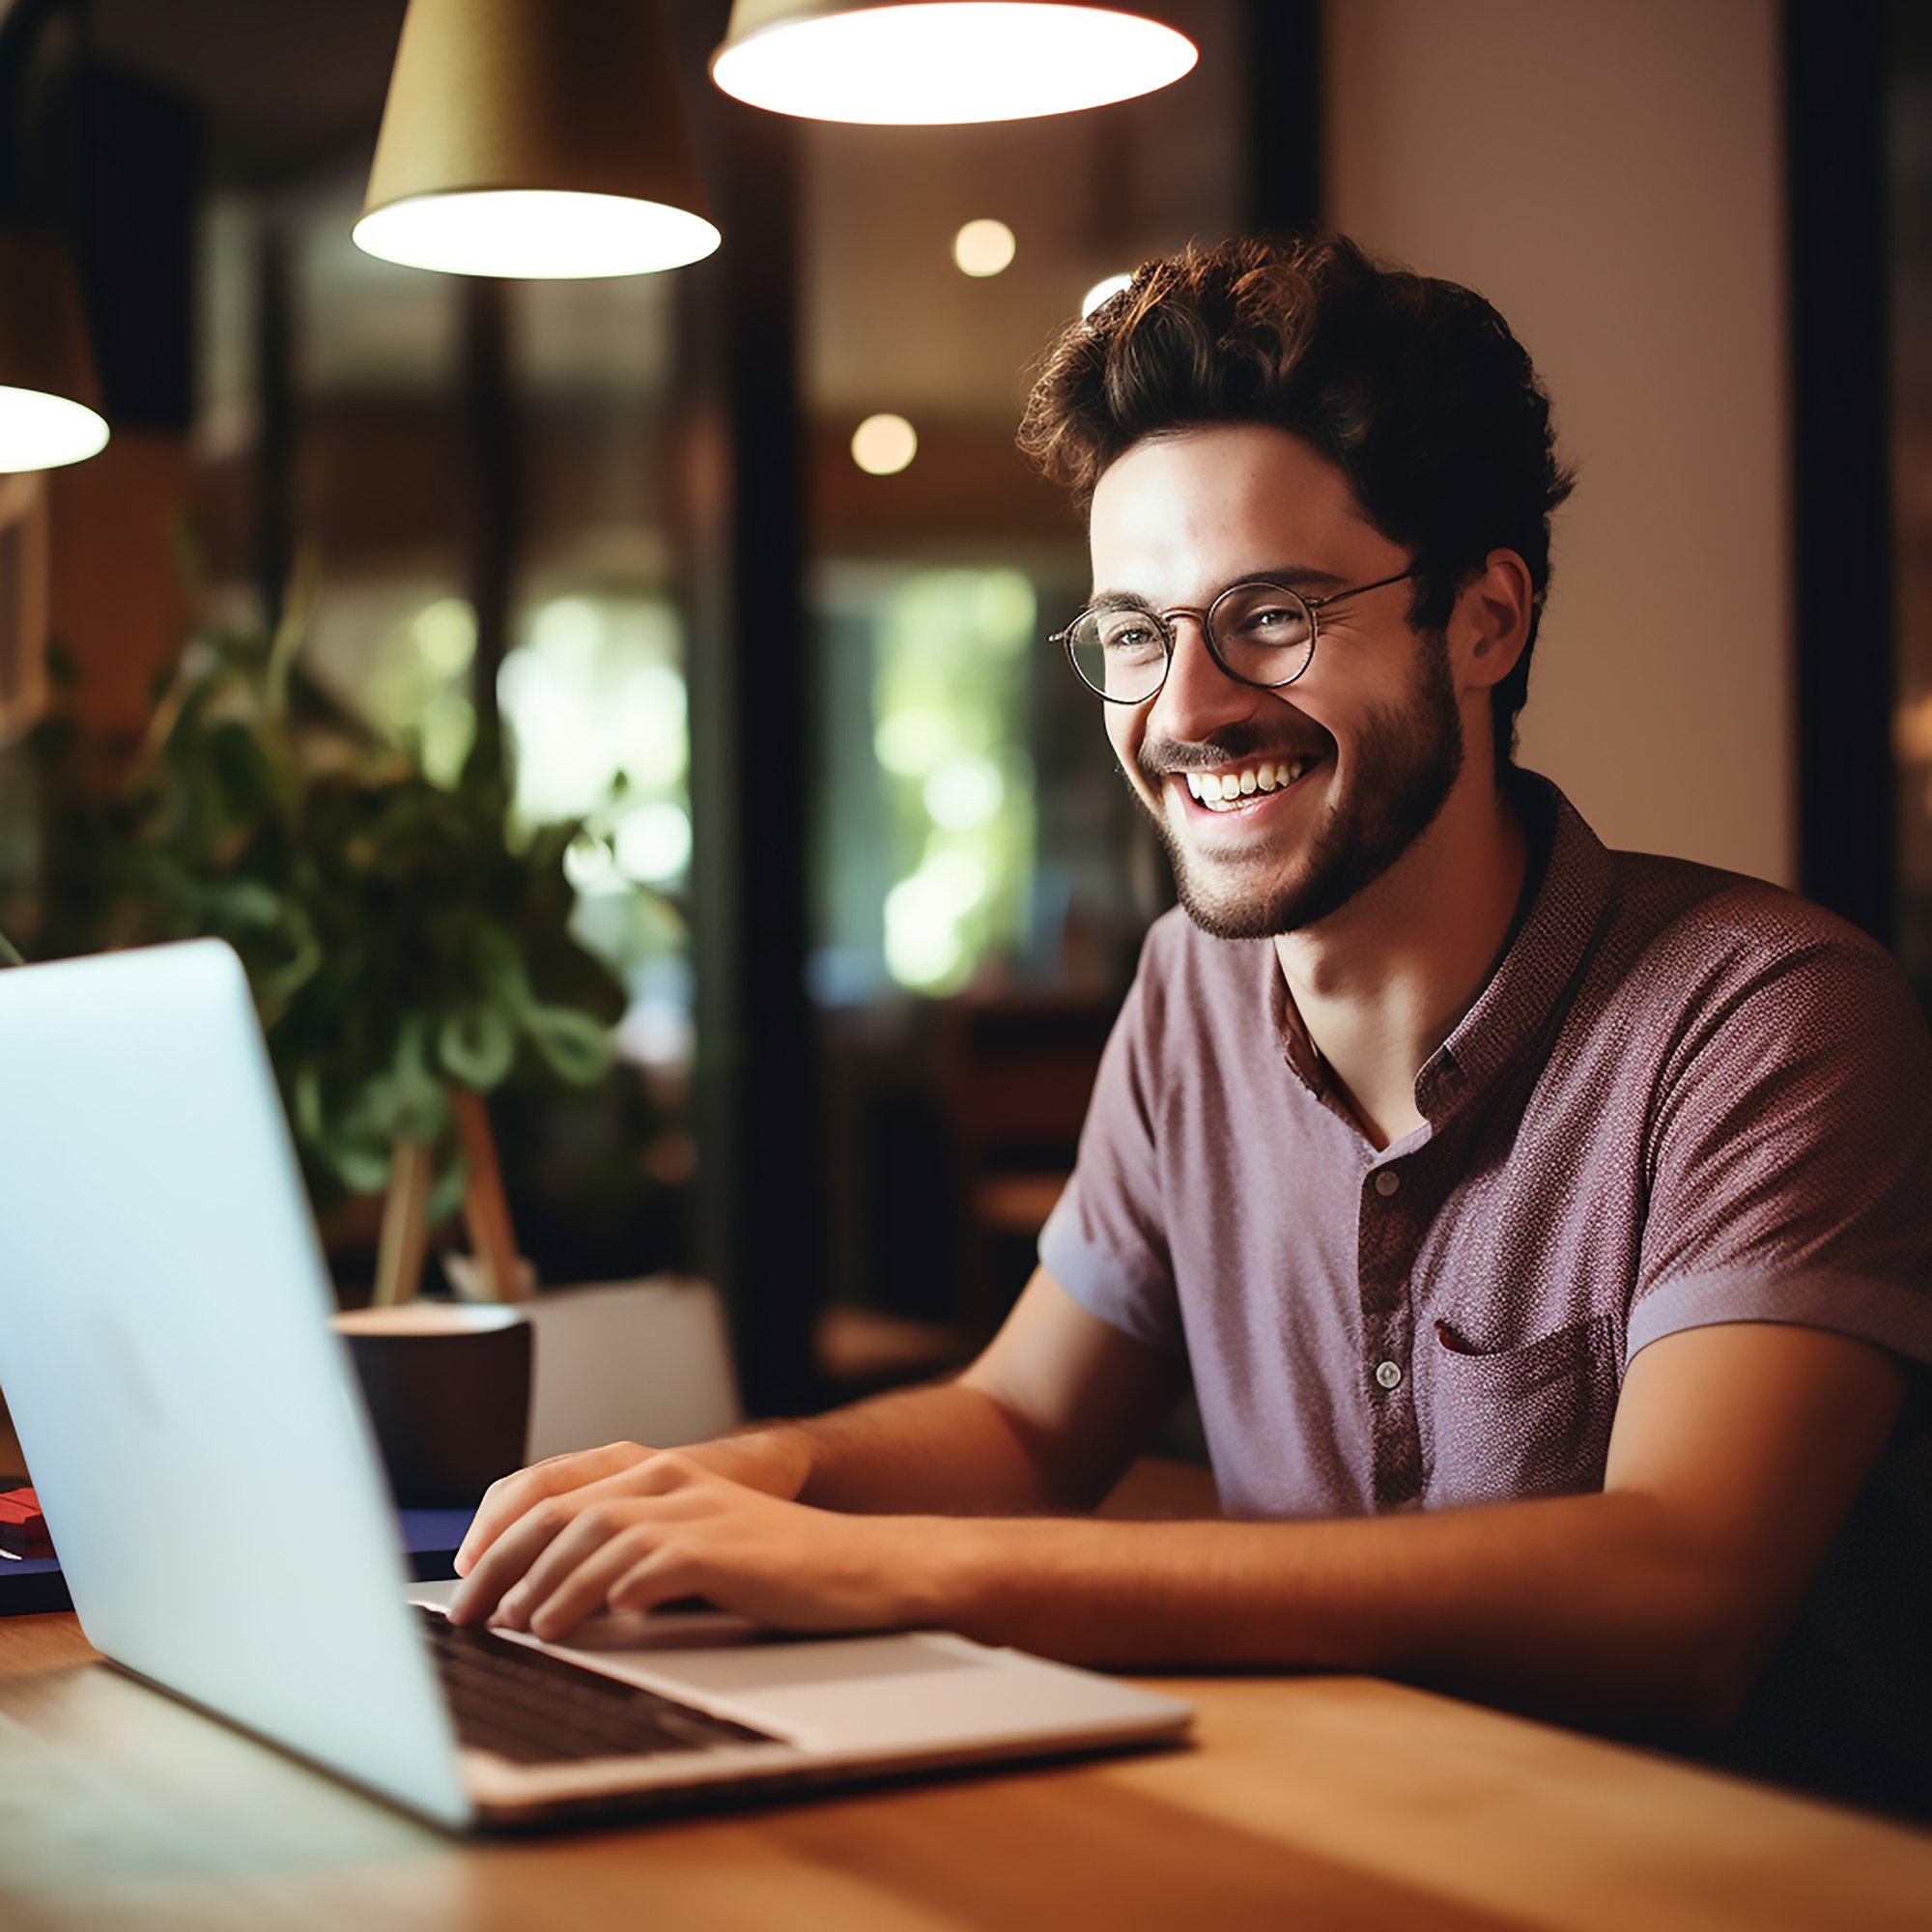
(536, 138)
(929, 61)
(49, 400)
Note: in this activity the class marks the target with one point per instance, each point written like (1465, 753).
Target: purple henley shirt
(1681, 1098)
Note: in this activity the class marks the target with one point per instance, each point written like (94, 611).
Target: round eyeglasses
(1259, 633)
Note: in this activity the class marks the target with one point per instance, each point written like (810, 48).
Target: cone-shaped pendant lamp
(927, 61)
(538, 138)
(49, 400)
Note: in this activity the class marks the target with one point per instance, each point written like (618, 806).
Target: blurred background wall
(1611, 176)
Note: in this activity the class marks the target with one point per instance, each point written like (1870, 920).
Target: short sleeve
(1105, 1242)
(1790, 1161)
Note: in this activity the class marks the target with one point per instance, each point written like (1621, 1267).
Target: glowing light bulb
(43, 432)
(547, 234)
(932, 62)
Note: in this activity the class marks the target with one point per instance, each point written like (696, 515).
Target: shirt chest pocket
(1532, 1420)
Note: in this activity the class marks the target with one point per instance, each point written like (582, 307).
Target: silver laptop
(211, 1481)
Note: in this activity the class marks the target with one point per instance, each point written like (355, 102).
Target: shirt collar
(1571, 875)
(1566, 893)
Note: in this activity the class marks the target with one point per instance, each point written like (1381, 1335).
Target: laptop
(210, 1481)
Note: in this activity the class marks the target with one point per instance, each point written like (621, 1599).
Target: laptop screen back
(191, 1425)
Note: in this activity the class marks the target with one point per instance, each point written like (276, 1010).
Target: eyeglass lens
(1261, 633)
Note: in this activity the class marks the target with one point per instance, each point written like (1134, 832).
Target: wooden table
(1304, 1801)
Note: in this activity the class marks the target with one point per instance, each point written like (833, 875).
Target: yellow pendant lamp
(49, 399)
(536, 138)
(930, 61)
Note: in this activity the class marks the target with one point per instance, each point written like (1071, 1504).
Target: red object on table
(21, 1522)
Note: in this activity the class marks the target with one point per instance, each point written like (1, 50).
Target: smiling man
(1546, 1231)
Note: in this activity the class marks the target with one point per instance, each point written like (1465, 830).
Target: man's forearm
(949, 1449)
(1585, 1606)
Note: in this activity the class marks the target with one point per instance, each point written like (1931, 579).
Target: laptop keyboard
(533, 1708)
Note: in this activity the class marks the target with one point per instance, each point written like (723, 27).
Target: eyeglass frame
(1205, 618)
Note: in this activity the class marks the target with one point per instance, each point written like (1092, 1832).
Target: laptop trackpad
(755, 1669)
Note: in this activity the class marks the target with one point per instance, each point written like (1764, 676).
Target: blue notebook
(32, 1586)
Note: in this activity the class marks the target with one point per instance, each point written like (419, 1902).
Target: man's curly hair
(1412, 386)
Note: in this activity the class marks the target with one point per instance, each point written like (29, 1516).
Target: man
(1546, 1230)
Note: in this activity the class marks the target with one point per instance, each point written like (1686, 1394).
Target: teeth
(1221, 788)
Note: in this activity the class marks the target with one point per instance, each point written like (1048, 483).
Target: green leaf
(477, 1046)
(573, 1045)
(307, 1093)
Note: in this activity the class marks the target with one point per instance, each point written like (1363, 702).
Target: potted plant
(406, 943)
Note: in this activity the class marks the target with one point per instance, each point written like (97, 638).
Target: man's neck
(1381, 984)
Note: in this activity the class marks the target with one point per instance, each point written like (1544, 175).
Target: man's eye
(1269, 624)
(1129, 638)
(1270, 621)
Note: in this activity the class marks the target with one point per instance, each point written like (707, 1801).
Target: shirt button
(1388, 1375)
(1387, 1180)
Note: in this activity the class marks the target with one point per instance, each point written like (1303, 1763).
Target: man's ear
(1489, 624)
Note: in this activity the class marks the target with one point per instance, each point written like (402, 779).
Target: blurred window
(593, 700)
(927, 863)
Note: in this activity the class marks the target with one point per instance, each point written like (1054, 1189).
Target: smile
(1228, 791)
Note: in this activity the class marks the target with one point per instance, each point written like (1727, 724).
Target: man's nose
(1198, 695)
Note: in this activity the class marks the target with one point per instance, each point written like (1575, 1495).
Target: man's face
(1371, 726)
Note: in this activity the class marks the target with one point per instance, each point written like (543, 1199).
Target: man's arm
(1048, 1418)
(1737, 1451)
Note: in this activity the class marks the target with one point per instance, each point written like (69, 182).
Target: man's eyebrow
(1296, 575)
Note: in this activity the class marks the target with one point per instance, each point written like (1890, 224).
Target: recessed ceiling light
(1105, 292)
(984, 248)
(882, 445)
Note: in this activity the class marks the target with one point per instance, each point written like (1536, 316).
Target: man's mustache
(1160, 757)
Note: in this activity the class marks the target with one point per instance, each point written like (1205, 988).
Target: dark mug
(448, 1391)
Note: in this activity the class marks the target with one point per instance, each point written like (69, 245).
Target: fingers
(510, 1497)
(570, 1577)
(508, 1559)
(575, 1575)
(662, 1576)
(587, 1516)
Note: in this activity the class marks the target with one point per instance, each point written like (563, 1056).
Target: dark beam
(490, 433)
(1284, 114)
(272, 539)
(1835, 62)
(759, 1092)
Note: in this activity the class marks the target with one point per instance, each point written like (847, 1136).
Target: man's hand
(774, 1461)
(628, 1528)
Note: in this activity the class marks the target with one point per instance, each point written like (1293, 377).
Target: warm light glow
(42, 432)
(984, 248)
(883, 445)
(948, 60)
(1105, 292)
(535, 233)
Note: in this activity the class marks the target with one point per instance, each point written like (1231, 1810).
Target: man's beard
(1405, 764)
